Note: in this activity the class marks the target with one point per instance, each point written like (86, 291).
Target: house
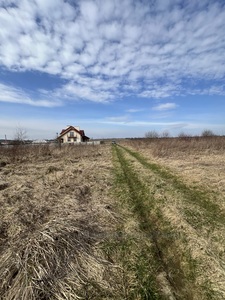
(72, 134)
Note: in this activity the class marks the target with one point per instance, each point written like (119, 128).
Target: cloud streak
(165, 106)
(15, 95)
(106, 50)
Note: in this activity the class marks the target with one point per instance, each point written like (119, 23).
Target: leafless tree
(152, 134)
(184, 135)
(207, 132)
(165, 134)
(20, 136)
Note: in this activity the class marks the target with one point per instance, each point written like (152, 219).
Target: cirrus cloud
(165, 106)
(15, 95)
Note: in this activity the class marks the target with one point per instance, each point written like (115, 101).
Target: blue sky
(116, 68)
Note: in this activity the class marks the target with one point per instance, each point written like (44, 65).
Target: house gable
(72, 135)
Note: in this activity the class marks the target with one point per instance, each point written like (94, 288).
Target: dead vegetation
(54, 212)
(69, 231)
(176, 147)
(199, 160)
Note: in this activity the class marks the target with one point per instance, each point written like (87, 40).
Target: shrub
(184, 135)
(207, 132)
(165, 134)
(152, 134)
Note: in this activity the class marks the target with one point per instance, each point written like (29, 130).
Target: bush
(165, 134)
(184, 135)
(207, 132)
(152, 134)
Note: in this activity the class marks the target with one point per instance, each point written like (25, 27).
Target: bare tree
(165, 134)
(184, 135)
(152, 134)
(207, 132)
(20, 136)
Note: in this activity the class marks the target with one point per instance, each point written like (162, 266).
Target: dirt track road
(185, 225)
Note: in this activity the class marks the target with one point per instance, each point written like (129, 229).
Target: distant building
(5, 142)
(39, 142)
(72, 134)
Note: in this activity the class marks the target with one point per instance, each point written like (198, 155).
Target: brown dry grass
(59, 219)
(54, 211)
(199, 160)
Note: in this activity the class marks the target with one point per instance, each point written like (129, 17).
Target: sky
(116, 68)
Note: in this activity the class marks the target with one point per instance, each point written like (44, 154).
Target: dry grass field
(200, 161)
(54, 210)
(144, 219)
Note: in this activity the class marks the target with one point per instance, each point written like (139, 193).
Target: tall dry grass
(169, 147)
(24, 153)
(49, 227)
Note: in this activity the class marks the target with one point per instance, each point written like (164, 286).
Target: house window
(69, 139)
(71, 134)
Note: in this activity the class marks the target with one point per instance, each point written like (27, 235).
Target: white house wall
(68, 138)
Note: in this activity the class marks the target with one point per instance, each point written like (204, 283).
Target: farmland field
(144, 219)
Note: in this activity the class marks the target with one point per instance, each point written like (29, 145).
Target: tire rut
(171, 204)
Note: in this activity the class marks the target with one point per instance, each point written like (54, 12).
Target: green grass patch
(137, 267)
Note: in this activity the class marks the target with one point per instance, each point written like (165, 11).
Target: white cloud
(133, 47)
(123, 120)
(14, 95)
(134, 110)
(165, 106)
(118, 119)
(82, 89)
